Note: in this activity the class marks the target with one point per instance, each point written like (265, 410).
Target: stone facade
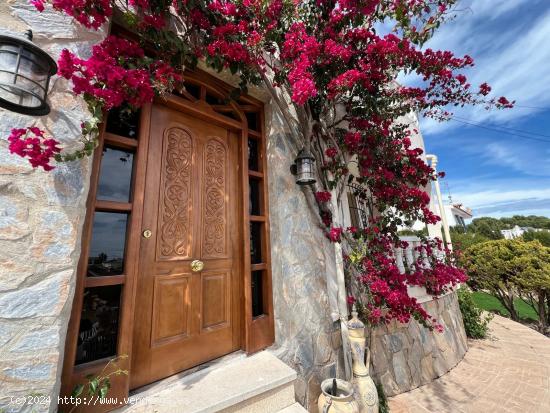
(406, 356)
(306, 337)
(41, 216)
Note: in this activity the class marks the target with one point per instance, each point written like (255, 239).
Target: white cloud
(522, 207)
(503, 197)
(486, 198)
(498, 174)
(520, 157)
(492, 9)
(510, 48)
(474, 152)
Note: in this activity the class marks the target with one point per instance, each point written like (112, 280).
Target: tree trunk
(543, 320)
(513, 313)
(507, 299)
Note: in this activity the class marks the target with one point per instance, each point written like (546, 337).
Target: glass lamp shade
(25, 72)
(304, 168)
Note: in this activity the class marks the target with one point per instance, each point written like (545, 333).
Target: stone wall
(306, 338)
(406, 356)
(41, 215)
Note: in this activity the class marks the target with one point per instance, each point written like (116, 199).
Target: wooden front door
(185, 316)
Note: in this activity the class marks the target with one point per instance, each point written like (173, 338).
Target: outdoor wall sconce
(25, 72)
(303, 168)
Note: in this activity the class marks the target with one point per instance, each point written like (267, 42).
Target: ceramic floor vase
(366, 394)
(344, 400)
(365, 389)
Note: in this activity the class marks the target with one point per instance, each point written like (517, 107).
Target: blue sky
(495, 173)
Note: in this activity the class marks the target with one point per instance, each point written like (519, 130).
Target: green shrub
(475, 322)
(383, 406)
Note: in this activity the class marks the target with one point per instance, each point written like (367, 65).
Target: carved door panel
(186, 315)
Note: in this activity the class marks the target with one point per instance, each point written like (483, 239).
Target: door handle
(197, 265)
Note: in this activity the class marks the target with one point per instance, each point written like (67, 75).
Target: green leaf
(93, 386)
(77, 391)
(103, 392)
(98, 112)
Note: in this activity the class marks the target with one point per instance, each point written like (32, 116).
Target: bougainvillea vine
(339, 70)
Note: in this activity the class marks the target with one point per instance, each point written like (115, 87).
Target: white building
(515, 232)
(457, 214)
(518, 231)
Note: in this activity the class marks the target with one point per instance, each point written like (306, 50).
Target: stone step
(260, 383)
(294, 408)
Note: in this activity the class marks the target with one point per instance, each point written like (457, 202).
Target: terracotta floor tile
(507, 373)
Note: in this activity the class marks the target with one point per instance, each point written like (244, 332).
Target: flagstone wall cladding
(306, 338)
(41, 216)
(406, 356)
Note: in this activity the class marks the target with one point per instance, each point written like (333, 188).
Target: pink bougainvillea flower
(32, 143)
(90, 13)
(39, 4)
(323, 196)
(484, 89)
(335, 234)
(331, 152)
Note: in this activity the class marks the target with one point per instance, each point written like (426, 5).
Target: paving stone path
(507, 373)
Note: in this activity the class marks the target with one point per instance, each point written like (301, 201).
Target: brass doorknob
(197, 265)
(147, 233)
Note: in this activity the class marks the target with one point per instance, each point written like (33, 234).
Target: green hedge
(475, 322)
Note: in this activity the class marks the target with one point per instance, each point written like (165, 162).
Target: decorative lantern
(303, 168)
(25, 72)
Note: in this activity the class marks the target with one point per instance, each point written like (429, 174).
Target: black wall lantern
(25, 72)
(303, 168)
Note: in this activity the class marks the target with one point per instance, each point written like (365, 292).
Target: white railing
(406, 259)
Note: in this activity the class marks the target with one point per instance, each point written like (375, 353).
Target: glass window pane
(257, 293)
(254, 207)
(17, 95)
(193, 90)
(115, 176)
(255, 242)
(31, 70)
(232, 115)
(98, 332)
(107, 247)
(8, 57)
(253, 121)
(213, 100)
(123, 121)
(253, 155)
